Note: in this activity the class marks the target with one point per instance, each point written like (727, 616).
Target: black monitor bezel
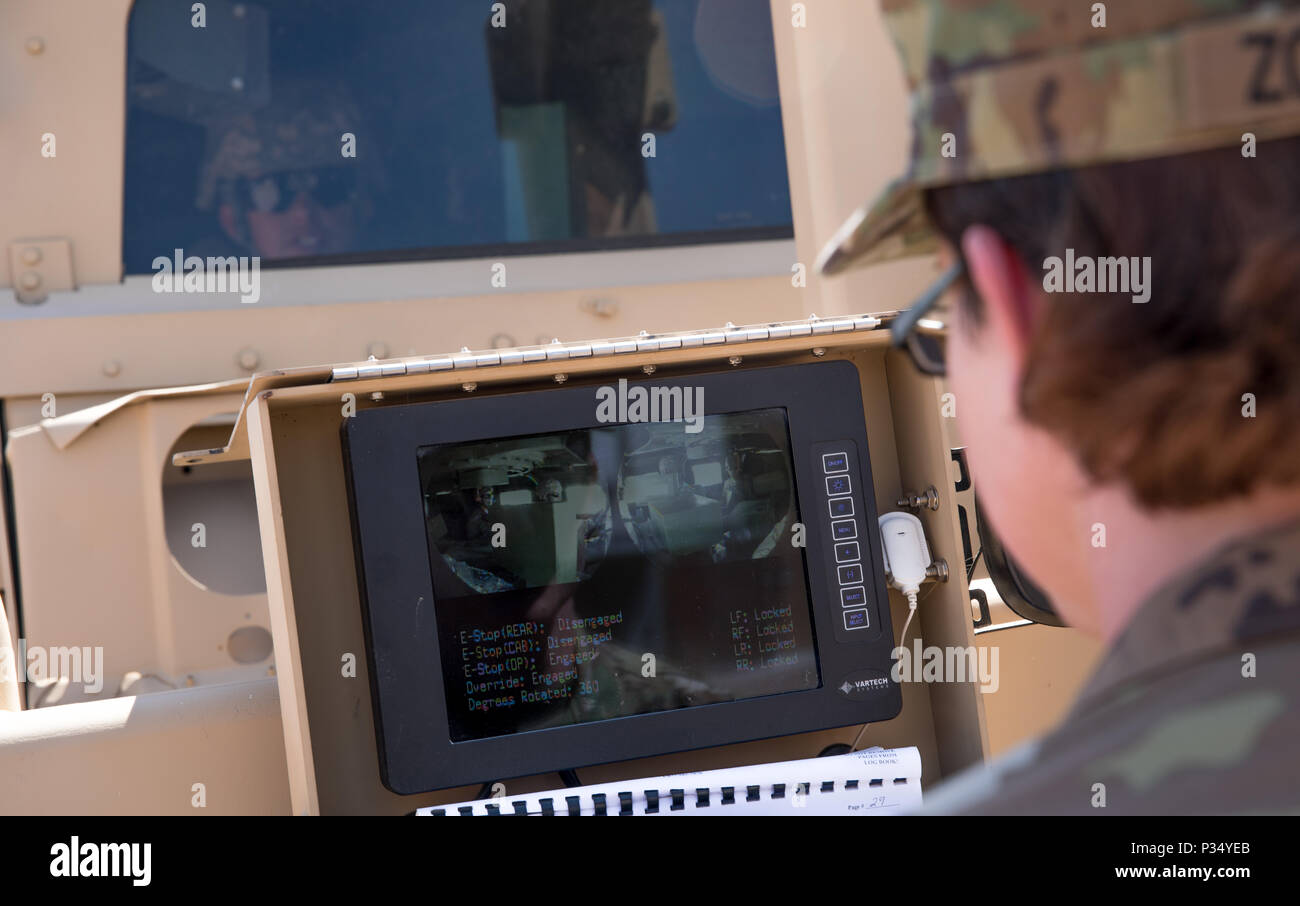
(823, 403)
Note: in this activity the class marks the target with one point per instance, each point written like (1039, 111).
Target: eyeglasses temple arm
(906, 322)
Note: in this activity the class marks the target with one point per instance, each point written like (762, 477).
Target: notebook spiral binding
(873, 781)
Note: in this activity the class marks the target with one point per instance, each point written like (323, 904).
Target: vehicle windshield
(311, 132)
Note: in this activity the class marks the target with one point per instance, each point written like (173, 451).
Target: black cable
(570, 778)
(970, 571)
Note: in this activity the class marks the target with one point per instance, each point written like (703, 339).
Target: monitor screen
(548, 583)
(603, 572)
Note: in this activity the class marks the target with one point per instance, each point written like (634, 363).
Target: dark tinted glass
(334, 131)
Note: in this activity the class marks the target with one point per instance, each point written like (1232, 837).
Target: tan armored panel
(293, 438)
(130, 593)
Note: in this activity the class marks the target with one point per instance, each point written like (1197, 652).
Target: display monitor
(563, 577)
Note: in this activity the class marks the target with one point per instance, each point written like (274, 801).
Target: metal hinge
(643, 342)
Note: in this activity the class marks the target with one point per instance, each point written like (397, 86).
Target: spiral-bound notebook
(869, 782)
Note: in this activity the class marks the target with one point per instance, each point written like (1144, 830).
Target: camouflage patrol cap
(1008, 87)
(301, 129)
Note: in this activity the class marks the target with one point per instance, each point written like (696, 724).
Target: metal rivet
(819, 351)
(35, 46)
(31, 256)
(112, 367)
(469, 386)
(377, 350)
(561, 378)
(649, 369)
(735, 360)
(29, 280)
(377, 396)
(248, 359)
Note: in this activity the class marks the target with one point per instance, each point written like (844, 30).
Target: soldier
(1113, 190)
(281, 180)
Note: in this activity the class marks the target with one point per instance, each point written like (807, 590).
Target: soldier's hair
(1154, 395)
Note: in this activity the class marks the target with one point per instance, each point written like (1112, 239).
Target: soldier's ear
(1010, 296)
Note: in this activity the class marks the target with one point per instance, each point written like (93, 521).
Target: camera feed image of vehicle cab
(729, 497)
(608, 545)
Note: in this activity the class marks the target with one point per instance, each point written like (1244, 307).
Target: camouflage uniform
(301, 129)
(1007, 87)
(1193, 709)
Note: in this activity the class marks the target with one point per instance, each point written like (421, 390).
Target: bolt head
(249, 359)
(649, 369)
(561, 378)
(819, 351)
(35, 45)
(29, 280)
(469, 386)
(112, 368)
(31, 256)
(735, 360)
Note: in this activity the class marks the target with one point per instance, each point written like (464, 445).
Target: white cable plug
(907, 557)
